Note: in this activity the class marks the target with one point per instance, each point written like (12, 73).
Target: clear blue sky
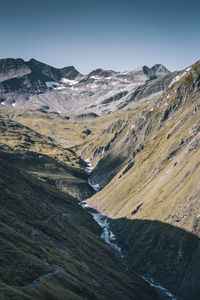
(112, 34)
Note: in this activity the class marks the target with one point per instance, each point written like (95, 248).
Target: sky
(89, 34)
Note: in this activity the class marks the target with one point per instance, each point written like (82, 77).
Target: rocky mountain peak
(159, 68)
(33, 60)
(53, 73)
(101, 73)
(69, 72)
(145, 69)
(11, 67)
(43, 70)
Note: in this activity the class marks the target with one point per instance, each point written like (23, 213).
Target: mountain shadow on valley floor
(160, 251)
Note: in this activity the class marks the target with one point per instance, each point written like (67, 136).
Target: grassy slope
(37, 221)
(162, 185)
(46, 159)
(166, 167)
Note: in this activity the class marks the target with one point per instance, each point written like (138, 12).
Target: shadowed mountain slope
(50, 247)
(166, 253)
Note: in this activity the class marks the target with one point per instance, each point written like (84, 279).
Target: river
(108, 236)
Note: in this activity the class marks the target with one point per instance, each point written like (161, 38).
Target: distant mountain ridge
(16, 75)
(16, 68)
(33, 83)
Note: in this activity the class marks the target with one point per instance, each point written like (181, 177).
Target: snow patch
(51, 84)
(88, 160)
(59, 87)
(95, 77)
(69, 81)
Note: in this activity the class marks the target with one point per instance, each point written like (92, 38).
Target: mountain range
(99, 182)
(36, 84)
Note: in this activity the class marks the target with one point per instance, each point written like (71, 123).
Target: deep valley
(125, 145)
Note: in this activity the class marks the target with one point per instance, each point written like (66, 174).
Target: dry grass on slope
(163, 182)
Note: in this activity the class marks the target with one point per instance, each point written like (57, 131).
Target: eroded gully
(108, 236)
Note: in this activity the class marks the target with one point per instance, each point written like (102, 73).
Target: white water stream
(108, 236)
